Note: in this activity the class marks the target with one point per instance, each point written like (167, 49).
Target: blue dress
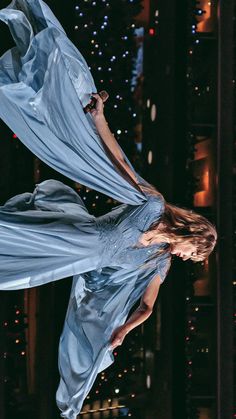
(49, 234)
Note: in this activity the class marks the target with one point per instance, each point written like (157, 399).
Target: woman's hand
(97, 112)
(118, 336)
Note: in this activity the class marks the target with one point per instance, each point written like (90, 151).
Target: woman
(115, 259)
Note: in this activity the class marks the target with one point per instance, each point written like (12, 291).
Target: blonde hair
(181, 225)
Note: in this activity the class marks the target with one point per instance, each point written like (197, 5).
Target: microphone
(92, 104)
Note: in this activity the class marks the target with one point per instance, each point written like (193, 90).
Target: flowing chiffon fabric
(48, 234)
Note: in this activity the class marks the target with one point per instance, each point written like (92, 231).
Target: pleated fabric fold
(45, 236)
(44, 84)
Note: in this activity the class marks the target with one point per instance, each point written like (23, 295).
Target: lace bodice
(121, 229)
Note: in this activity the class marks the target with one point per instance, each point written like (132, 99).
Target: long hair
(182, 225)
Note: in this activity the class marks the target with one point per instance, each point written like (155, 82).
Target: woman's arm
(146, 305)
(140, 314)
(107, 136)
(112, 145)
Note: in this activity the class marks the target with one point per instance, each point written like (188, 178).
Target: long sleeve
(44, 84)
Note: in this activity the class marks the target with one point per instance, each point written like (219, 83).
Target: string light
(193, 310)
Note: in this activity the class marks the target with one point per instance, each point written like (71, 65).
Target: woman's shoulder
(155, 202)
(151, 193)
(155, 198)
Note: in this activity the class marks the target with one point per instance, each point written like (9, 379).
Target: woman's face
(183, 250)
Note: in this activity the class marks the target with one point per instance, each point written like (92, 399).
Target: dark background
(183, 354)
